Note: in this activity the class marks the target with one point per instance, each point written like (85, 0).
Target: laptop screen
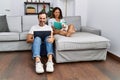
(42, 34)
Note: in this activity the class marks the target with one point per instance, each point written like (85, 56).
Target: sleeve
(31, 30)
(51, 29)
(50, 22)
(63, 21)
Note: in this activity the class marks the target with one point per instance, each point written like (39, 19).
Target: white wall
(105, 15)
(12, 8)
(4, 7)
(74, 7)
(16, 7)
(81, 10)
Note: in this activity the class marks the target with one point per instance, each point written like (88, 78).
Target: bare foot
(68, 34)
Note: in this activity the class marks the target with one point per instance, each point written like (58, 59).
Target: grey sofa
(15, 39)
(84, 45)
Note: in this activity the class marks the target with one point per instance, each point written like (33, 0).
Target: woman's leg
(70, 30)
(64, 33)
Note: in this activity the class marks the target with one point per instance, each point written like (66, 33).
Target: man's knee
(37, 39)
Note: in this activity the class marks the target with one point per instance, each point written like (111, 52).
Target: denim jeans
(36, 46)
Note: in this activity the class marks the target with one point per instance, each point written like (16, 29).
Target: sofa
(86, 44)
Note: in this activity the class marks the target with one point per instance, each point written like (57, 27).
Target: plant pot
(30, 11)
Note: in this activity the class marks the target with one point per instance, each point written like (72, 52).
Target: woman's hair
(57, 8)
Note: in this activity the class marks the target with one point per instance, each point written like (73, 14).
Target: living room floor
(20, 66)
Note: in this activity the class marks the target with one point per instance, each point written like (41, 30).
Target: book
(58, 25)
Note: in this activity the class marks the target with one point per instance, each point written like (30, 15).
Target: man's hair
(42, 13)
(57, 8)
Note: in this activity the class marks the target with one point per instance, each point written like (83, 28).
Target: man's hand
(50, 39)
(29, 38)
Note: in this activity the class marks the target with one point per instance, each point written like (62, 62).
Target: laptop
(42, 34)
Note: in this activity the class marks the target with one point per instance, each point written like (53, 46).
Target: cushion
(3, 24)
(9, 36)
(23, 35)
(14, 23)
(81, 40)
(75, 20)
(29, 21)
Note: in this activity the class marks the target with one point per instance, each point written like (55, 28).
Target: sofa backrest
(24, 23)
(75, 20)
(28, 21)
(14, 23)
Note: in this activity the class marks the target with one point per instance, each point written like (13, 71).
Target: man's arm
(51, 38)
(29, 38)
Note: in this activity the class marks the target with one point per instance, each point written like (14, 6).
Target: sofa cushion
(75, 20)
(14, 23)
(81, 40)
(29, 21)
(3, 24)
(23, 35)
(9, 36)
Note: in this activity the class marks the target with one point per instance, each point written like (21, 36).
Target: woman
(59, 25)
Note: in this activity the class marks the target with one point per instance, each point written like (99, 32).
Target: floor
(20, 66)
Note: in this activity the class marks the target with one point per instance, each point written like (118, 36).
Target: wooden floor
(20, 66)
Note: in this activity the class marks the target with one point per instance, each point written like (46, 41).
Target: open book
(58, 25)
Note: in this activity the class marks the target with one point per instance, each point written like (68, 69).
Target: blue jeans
(36, 46)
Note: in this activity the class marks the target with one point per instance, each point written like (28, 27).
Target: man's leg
(36, 54)
(49, 48)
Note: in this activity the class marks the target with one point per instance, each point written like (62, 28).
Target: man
(36, 42)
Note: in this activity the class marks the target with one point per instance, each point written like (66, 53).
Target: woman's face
(57, 13)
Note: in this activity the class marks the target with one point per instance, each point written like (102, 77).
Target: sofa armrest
(90, 30)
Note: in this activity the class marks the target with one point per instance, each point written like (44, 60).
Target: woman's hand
(55, 31)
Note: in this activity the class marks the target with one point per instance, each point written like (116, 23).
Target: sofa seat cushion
(9, 36)
(23, 35)
(81, 41)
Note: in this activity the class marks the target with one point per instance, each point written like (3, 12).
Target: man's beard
(42, 23)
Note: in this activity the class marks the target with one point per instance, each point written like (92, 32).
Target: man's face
(42, 19)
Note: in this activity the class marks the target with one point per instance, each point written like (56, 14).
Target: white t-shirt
(40, 28)
(52, 20)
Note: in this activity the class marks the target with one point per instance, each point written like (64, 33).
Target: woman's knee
(71, 28)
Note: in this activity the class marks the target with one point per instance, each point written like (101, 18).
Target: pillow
(58, 25)
(3, 24)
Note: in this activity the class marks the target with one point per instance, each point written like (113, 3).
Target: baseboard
(113, 56)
